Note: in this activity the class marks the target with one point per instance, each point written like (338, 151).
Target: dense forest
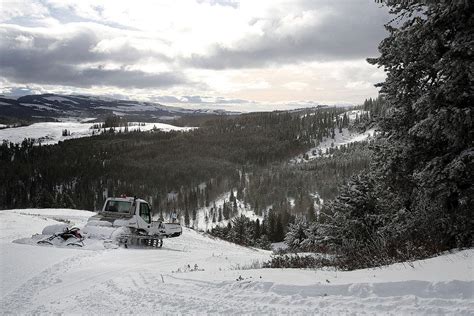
(181, 172)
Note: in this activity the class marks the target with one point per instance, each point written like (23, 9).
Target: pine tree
(257, 230)
(426, 155)
(279, 233)
(296, 234)
(220, 215)
(311, 215)
(264, 243)
(186, 218)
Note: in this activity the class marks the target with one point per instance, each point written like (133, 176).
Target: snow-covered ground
(194, 274)
(52, 132)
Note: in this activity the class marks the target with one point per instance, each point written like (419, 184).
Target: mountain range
(49, 107)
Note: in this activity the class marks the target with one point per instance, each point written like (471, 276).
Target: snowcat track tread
(140, 241)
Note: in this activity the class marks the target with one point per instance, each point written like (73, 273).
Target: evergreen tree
(242, 230)
(257, 230)
(186, 218)
(427, 153)
(264, 243)
(296, 234)
(279, 233)
(311, 215)
(220, 215)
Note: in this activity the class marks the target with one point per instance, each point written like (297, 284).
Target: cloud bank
(216, 48)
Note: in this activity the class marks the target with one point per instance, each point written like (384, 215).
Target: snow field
(195, 274)
(51, 132)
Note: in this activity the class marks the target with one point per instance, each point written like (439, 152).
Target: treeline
(246, 232)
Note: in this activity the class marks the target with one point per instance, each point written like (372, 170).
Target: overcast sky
(231, 54)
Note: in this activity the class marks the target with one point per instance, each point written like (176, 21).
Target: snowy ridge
(195, 274)
(58, 106)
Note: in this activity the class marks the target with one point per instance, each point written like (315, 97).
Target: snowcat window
(118, 206)
(145, 212)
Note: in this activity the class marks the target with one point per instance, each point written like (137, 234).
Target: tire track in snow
(19, 300)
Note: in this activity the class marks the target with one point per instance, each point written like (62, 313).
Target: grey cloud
(71, 76)
(222, 100)
(165, 99)
(209, 100)
(352, 31)
(45, 59)
(193, 99)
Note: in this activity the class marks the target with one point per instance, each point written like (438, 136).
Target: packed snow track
(194, 274)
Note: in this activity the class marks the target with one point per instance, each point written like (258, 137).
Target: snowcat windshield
(118, 206)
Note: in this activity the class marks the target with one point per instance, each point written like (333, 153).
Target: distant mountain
(51, 106)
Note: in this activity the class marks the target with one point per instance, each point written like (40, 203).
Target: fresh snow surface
(195, 274)
(51, 132)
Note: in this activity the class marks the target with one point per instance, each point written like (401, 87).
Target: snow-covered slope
(242, 209)
(52, 132)
(194, 274)
(340, 138)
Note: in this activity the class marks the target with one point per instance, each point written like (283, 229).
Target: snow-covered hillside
(194, 274)
(340, 138)
(63, 106)
(201, 214)
(52, 132)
